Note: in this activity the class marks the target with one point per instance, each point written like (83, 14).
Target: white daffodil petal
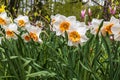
(115, 29)
(13, 27)
(114, 20)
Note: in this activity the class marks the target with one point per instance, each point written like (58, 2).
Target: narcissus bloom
(34, 33)
(108, 25)
(4, 20)
(22, 21)
(61, 23)
(26, 37)
(2, 8)
(11, 30)
(106, 28)
(77, 36)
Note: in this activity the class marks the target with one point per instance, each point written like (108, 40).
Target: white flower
(108, 25)
(77, 36)
(4, 20)
(34, 33)
(11, 30)
(61, 23)
(26, 37)
(22, 21)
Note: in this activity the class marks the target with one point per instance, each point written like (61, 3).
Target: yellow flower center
(74, 36)
(9, 33)
(34, 36)
(21, 23)
(2, 21)
(108, 28)
(64, 26)
(27, 37)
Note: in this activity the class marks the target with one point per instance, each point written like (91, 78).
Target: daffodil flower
(26, 37)
(77, 36)
(4, 20)
(106, 28)
(61, 23)
(11, 30)
(22, 21)
(34, 33)
(108, 25)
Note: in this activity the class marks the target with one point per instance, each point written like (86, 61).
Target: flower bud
(83, 13)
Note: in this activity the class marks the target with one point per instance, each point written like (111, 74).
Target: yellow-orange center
(64, 26)
(21, 23)
(27, 37)
(2, 21)
(9, 33)
(34, 36)
(108, 28)
(74, 36)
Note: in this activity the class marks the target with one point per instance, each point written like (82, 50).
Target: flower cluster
(61, 24)
(76, 30)
(111, 27)
(19, 24)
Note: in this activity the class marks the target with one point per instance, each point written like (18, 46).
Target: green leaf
(11, 57)
(85, 67)
(42, 74)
